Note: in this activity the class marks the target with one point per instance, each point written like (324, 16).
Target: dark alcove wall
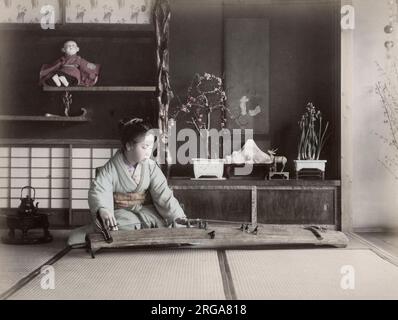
(304, 61)
(127, 58)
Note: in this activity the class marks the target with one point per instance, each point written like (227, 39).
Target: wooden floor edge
(226, 275)
(25, 280)
(376, 249)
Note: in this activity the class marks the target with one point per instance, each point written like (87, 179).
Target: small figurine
(277, 159)
(274, 173)
(70, 69)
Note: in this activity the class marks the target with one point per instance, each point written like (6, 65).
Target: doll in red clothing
(70, 69)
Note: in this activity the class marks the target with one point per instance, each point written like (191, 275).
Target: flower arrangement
(312, 138)
(205, 95)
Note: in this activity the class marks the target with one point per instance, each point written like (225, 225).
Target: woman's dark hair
(130, 130)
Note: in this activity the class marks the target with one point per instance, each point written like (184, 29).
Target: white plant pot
(208, 167)
(310, 164)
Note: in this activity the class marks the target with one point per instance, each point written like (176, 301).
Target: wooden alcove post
(161, 18)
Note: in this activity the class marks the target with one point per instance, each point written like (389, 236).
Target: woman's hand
(108, 218)
(181, 220)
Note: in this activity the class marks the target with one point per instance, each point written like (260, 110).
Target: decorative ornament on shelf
(312, 141)
(250, 153)
(69, 70)
(274, 172)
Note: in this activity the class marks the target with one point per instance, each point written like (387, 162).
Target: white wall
(374, 190)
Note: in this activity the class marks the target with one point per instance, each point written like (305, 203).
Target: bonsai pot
(203, 167)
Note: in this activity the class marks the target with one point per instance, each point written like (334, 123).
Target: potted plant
(205, 96)
(312, 140)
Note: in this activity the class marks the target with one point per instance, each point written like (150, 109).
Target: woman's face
(142, 149)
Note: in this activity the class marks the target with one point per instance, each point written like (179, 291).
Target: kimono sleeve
(162, 196)
(89, 72)
(100, 194)
(48, 70)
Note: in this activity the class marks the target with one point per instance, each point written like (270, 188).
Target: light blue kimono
(115, 177)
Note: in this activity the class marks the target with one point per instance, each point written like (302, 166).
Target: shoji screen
(61, 175)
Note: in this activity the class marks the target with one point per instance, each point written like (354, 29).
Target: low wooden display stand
(278, 175)
(284, 202)
(24, 223)
(310, 169)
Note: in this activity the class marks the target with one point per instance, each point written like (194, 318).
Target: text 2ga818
(220, 309)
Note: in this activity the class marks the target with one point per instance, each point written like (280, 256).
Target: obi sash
(130, 199)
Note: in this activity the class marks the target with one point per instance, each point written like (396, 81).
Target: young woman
(130, 191)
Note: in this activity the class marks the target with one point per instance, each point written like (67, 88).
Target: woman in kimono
(130, 191)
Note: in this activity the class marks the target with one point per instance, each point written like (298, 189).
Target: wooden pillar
(347, 51)
(161, 18)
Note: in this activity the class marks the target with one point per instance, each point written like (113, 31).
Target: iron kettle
(28, 205)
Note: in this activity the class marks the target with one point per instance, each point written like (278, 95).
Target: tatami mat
(17, 261)
(196, 274)
(127, 274)
(311, 274)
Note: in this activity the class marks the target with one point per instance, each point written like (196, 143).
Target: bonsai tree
(312, 138)
(205, 96)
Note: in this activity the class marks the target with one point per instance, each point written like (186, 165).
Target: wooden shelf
(43, 118)
(80, 27)
(249, 183)
(100, 143)
(103, 89)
